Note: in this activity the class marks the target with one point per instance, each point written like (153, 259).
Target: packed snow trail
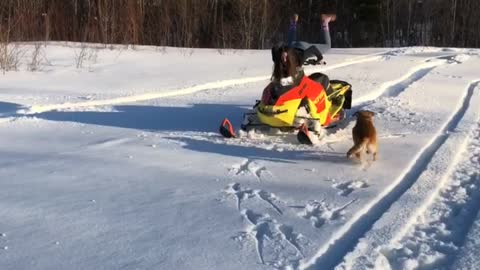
(448, 144)
(35, 109)
(345, 239)
(421, 69)
(440, 231)
(450, 206)
(395, 87)
(390, 229)
(467, 257)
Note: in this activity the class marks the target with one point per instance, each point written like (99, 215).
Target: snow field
(135, 178)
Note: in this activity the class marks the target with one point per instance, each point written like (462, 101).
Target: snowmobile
(307, 104)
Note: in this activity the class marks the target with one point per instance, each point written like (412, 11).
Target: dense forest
(248, 24)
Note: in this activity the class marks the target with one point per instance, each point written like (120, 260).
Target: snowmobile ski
(226, 129)
(303, 135)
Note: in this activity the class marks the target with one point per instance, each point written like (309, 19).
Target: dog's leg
(357, 149)
(372, 148)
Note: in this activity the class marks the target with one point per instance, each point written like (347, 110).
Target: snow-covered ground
(118, 164)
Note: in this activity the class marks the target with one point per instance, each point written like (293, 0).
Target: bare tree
(240, 23)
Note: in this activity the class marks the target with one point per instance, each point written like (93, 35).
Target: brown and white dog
(364, 136)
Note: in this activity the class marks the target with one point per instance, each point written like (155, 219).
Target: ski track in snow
(35, 109)
(345, 238)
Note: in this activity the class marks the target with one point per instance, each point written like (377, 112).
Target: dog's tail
(357, 148)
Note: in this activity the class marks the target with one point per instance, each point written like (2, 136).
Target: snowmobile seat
(323, 80)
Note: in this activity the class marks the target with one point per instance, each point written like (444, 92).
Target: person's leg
(317, 50)
(292, 30)
(326, 42)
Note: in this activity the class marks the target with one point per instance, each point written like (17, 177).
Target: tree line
(246, 24)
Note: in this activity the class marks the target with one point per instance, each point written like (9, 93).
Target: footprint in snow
(276, 244)
(246, 193)
(249, 166)
(345, 188)
(320, 212)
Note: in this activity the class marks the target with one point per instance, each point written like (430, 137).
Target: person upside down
(290, 90)
(307, 50)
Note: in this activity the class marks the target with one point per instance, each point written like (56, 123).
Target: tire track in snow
(438, 227)
(435, 242)
(346, 238)
(375, 248)
(467, 256)
(35, 109)
(394, 88)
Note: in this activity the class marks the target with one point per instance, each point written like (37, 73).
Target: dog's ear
(371, 114)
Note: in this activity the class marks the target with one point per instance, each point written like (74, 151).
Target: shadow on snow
(8, 108)
(204, 118)
(198, 117)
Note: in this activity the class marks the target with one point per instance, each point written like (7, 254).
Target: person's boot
(327, 18)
